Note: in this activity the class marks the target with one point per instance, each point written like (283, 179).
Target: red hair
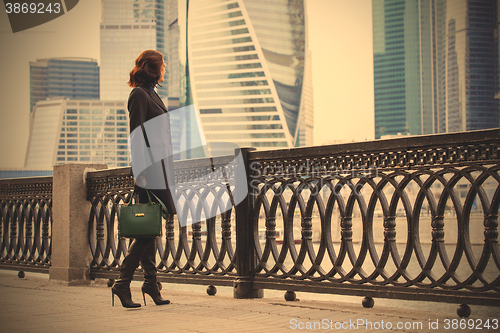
(147, 70)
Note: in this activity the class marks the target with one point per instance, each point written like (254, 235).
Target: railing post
(71, 255)
(245, 252)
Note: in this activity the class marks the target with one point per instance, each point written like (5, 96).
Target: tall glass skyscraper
(246, 66)
(435, 66)
(74, 78)
(128, 27)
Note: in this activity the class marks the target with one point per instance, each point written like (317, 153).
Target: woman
(144, 104)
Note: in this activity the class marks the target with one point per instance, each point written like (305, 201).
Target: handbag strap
(132, 197)
(164, 208)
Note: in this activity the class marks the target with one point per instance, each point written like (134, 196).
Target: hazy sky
(340, 39)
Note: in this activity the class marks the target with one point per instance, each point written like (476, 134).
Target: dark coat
(144, 104)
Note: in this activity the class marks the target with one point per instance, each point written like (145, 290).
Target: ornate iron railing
(199, 253)
(412, 218)
(26, 224)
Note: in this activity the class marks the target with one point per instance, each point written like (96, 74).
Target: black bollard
(290, 295)
(463, 311)
(368, 302)
(211, 290)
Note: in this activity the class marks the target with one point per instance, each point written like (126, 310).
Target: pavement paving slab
(36, 304)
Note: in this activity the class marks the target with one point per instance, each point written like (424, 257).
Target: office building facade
(128, 27)
(78, 131)
(435, 66)
(246, 67)
(74, 78)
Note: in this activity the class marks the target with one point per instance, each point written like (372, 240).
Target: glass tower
(128, 27)
(78, 131)
(434, 66)
(246, 67)
(468, 66)
(74, 78)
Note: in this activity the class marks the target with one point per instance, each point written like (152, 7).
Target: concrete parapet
(71, 254)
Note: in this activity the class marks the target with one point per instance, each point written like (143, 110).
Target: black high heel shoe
(123, 293)
(151, 288)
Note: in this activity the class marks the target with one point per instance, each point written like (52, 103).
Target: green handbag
(137, 220)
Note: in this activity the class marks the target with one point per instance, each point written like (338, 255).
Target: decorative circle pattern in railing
(200, 249)
(422, 228)
(26, 223)
(415, 217)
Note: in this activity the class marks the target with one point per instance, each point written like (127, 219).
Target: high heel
(123, 293)
(151, 288)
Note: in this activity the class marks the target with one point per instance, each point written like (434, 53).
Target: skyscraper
(128, 27)
(435, 66)
(246, 66)
(469, 59)
(77, 131)
(74, 78)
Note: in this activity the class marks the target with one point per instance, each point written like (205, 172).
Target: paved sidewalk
(35, 304)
